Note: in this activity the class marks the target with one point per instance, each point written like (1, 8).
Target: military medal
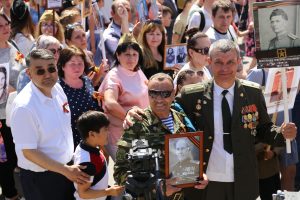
(198, 107)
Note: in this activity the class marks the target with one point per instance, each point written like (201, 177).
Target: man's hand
(136, 113)
(74, 174)
(203, 183)
(170, 189)
(289, 130)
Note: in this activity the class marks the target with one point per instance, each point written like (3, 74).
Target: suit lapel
(208, 108)
(239, 101)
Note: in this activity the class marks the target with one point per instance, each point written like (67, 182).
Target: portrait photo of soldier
(181, 56)
(284, 39)
(184, 165)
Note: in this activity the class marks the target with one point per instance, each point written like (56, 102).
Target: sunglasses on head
(73, 26)
(41, 72)
(199, 73)
(203, 51)
(155, 21)
(156, 93)
(54, 51)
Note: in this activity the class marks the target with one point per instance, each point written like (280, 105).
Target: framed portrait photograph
(277, 33)
(54, 4)
(184, 158)
(86, 8)
(175, 54)
(4, 82)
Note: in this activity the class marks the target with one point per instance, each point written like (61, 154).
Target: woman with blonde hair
(152, 39)
(45, 26)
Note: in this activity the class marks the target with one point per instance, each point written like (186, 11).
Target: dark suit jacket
(245, 93)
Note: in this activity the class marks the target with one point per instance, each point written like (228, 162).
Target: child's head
(92, 126)
(166, 16)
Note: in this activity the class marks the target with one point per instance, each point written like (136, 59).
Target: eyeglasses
(54, 51)
(155, 21)
(45, 25)
(162, 94)
(199, 73)
(203, 51)
(41, 72)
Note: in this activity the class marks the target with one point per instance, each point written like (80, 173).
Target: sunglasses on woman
(41, 72)
(203, 51)
(162, 94)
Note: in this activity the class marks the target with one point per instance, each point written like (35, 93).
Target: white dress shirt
(39, 122)
(220, 165)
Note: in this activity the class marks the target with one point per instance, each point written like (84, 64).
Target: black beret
(19, 9)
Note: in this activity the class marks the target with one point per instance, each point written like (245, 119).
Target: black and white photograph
(51, 4)
(86, 8)
(184, 159)
(175, 55)
(4, 82)
(277, 33)
(279, 27)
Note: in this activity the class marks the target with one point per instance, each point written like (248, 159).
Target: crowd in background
(117, 81)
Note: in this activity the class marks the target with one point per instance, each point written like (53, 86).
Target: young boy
(93, 126)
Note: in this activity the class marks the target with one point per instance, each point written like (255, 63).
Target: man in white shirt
(222, 17)
(41, 128)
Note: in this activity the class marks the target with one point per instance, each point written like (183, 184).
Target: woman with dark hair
(124, 86)
(72, 67)
(3, 85)
(197, 52)
(75, 35)
(152, 39)
(11, 56)
(22, 28)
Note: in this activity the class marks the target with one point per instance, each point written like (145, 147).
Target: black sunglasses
(41, 72)
(199, 73)
(54, 51)
(162, 94)
(203, 51)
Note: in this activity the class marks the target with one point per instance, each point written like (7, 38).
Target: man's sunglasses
(41, 72)
(162, 94)
(54, 51)
(203, 51)
(199, 73)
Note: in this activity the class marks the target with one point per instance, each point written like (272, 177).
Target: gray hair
(44, 41)
(224, 46)
(42, 54)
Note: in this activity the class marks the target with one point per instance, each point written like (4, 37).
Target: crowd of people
(75, 107)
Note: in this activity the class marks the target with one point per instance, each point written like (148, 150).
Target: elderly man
(158, 120)
(41, 128)
(279, 25)
(232, 113)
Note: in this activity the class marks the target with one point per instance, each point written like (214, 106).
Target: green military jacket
(152, 129)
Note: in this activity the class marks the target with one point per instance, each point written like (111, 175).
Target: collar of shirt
(218, 89)
(43, 98)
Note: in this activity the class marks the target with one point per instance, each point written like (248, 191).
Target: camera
(144, 176)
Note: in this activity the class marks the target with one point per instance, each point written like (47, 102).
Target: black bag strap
(202, 22)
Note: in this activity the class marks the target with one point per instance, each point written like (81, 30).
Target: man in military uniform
(283, 39)
(186, 170)
(157, 121)
(229, 154)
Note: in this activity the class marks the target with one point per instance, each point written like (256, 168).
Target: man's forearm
(44, 161)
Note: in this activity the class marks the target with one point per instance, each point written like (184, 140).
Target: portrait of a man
(283, 38)
(181, 55)
(185, 168)
(170, 59)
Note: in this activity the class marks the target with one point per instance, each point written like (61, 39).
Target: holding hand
(203, 183)
(289, 130)
(74, 174)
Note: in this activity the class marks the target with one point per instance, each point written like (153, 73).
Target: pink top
(132, 91)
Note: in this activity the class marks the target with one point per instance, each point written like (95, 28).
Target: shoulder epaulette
(197, 87)
(250, 84)
(294, 37)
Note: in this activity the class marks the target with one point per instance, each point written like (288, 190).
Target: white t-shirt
(42, 123)
(215, 35)
(195, 20)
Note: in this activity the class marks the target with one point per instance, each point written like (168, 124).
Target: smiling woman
(124, 86)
